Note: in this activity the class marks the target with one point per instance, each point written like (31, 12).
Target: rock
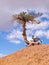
(33, 55)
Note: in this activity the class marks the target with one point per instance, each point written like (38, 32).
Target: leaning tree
(24, 17)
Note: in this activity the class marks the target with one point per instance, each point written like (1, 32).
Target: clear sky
(11, 38)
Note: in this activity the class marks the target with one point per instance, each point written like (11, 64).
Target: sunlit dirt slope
(33, 55)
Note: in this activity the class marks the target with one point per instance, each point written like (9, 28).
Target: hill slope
(33, 55)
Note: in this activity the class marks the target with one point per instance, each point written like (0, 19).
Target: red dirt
(33, 55)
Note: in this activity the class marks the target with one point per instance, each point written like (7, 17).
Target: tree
(24, 17)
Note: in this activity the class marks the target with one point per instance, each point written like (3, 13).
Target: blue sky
(11, 38)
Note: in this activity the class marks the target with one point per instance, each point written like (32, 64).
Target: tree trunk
(24, 33)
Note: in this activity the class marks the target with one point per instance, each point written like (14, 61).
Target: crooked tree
(24, 17)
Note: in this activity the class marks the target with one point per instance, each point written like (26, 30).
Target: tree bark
(24, 33)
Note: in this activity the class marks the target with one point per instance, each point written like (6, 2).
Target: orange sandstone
(33, 55)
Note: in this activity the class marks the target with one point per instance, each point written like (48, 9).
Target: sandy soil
(33, 55)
